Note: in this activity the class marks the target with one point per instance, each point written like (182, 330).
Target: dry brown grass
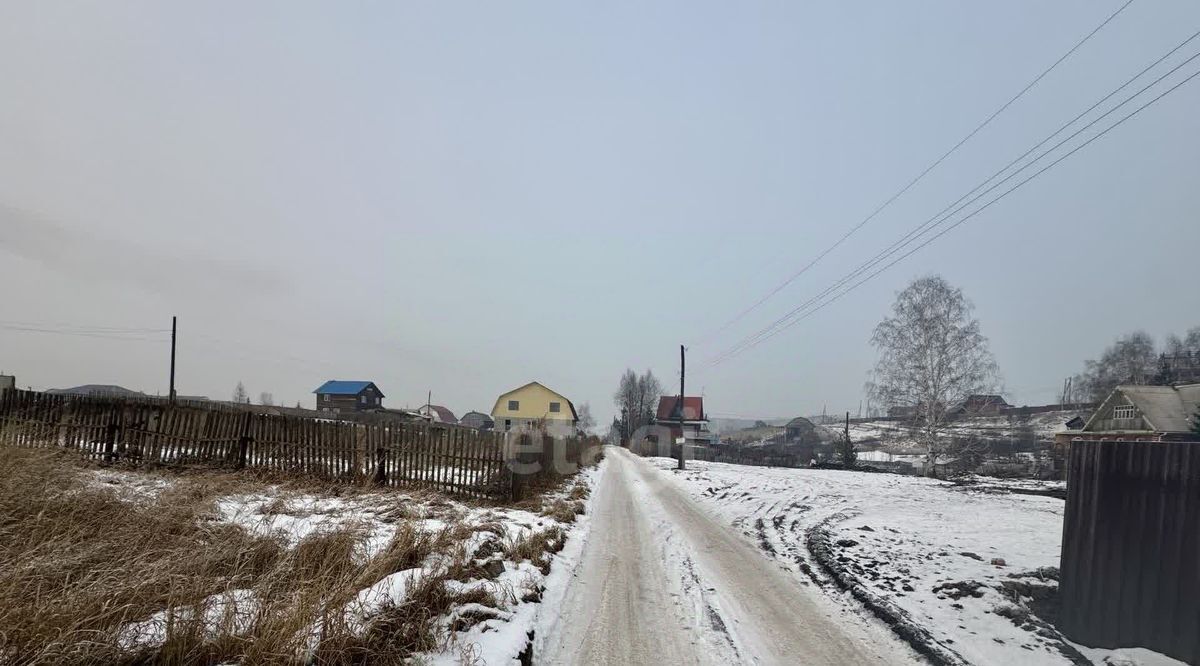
(563, 510)
(537, 547)
(78, 563)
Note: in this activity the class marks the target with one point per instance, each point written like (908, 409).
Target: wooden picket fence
(538, 458)
(451, 459)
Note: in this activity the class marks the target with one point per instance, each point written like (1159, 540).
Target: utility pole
(429, 406)
(174, 328)
(682, 437)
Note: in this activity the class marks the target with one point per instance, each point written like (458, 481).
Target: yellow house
(533, 403)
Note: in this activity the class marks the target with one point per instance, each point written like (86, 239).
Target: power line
(766, 335)
(925, 227)
(82, 333)
(81, 327)
(920, 176)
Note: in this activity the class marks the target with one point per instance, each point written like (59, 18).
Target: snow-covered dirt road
(962, 570)
(662, 580)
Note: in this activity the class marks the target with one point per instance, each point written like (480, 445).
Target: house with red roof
(685, 418)
(439, 414)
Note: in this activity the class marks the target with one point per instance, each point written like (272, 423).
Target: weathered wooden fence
(539, 458)
(1131, 546)
(447, 458)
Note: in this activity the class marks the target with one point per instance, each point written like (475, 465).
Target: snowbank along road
(662, 581)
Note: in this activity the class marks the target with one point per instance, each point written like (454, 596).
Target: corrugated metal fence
(447, 458)
(1131, 546)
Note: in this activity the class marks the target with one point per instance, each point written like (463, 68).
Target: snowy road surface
(662, 581)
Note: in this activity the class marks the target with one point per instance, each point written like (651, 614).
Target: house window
(1124, 412)
(362, 399)
(556, 407)
(326, 397)
(514, 405)
(508, 424)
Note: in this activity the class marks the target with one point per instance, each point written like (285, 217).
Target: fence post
(516, 482)
(380, 437)
(244, 440)
(110, 438)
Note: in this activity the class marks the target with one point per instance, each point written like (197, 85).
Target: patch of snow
(905, 541)
(227, 612)
(132, 486)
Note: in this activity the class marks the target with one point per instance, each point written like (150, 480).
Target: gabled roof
(108, 390)
(340, 387)
(574, 414)
(440, 414)
(1165, 408)
(668, 408)
(477, 420)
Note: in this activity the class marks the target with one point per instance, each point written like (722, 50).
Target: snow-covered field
(961, 570)
(475, 634)
(896, 438)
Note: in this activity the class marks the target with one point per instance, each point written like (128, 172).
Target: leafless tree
(266, 399)
(625, 399)
(932, 356)
(636, 399)
(1174, 345)
(586, 421)
(1188, 343)
(1129, 360)
(649, 391)
(239, 394)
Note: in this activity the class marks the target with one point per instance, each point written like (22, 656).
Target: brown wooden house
(348, 396)
(1138, 414)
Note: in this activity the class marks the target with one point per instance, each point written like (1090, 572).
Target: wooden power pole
(174, 325)
(682, 400)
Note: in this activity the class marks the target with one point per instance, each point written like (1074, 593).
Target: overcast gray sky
(463, 197)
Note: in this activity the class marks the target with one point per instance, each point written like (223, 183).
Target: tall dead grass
(79, 566)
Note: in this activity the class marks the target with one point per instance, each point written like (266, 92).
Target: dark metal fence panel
(1131, 546)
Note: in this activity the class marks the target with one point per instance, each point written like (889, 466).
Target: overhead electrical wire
(783, 323)
(924, 227)
(102, 332)
(794, 276)
(803, 312)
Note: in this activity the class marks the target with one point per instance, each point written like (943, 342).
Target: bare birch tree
(932, 356)
(586, 421)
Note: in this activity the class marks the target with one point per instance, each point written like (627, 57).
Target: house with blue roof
(348, 396)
